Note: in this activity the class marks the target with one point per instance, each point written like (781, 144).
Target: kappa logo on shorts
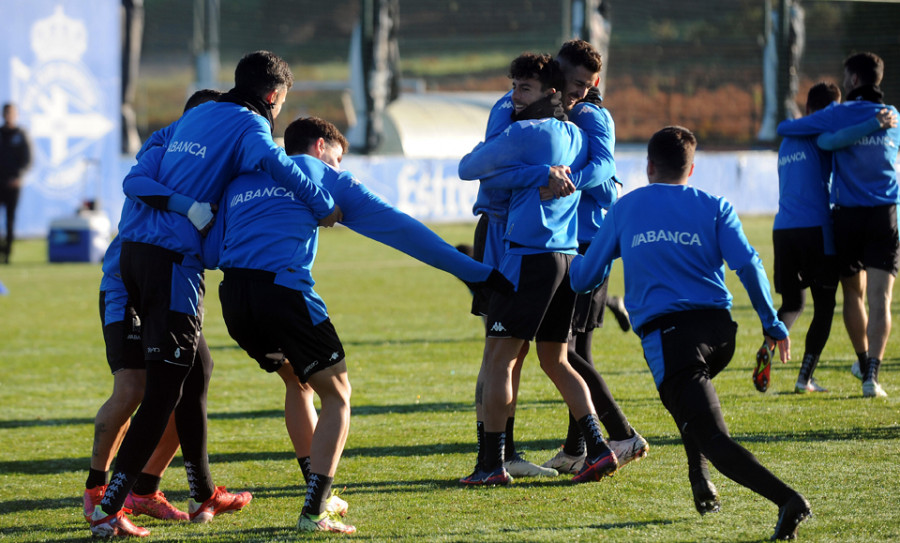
(335, 355)
(498, 327)
(177, 352)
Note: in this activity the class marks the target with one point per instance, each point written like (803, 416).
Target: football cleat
(336, 505)
(519, 467)
(790, 515)
(871, 389)
(566, 463)
(856, 371)
(809, 386)
(92, 498)
(595, 469)
(761, 372)
(154, 505)
(633, 448)
(706, 498)
(118, 525)
(220, 502)
(485, 478)
(325, 522)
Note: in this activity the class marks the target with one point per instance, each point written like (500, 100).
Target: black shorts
(122, 336)
(866, 237)
(699, 341)
(589, 306)
(488, 248)
(541, 307)
(167, 291)
(264, 318)
(800, 260)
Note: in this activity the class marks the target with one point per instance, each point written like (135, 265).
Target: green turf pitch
(413, 352)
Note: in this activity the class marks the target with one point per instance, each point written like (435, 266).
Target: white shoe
(854, 369)
(809, 386)
(517, 466)
(630, 449)
(336, 505)
(871, 389)
(566, 463)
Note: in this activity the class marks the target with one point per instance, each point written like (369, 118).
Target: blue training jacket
(266, 227)
(207, 147)
(863, 173)
(673, 255)
(535, 226)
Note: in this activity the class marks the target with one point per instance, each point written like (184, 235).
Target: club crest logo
(61, 103)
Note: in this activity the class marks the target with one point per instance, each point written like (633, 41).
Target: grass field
(413, 352)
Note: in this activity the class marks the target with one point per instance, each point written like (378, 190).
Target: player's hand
(334, 217)
(558, 181)
(887, 118)
(201, 216)
(546, 193)
(784, 347)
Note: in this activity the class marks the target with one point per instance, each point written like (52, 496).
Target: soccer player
(540, 237)
(581, 65)
(675, 293)
(803, 238)
(162, 271)
(124, 353)
(865, 196)
(270, 307)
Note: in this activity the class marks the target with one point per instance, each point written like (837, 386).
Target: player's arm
(141, 186)
(600, 170)
(261, 151)
(745, 261)
(845, 137)
(587, 272)
(815, 123)
(159, 138)
(369, 215)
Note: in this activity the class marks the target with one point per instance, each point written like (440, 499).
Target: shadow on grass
(70, 464)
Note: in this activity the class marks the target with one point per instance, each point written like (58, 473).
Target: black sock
(574, 445)
(479, 430)
(863, 358)
(872, 367)
(146, 484)
(493, 450)
(199, 481)
(95, 478)
(304, 468)
(807, 367)
(317, 490)
(593, 438)
(510, 447)
(116, 492)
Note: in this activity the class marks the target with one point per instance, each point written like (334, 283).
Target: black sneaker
(706, 498)
(790, 515)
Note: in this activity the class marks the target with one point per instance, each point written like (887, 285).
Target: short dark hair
(672, 152)
(201, 97)
(262, 72)
(868, 67)
(303, 132)
(821, 95)
(580, 53)
(539, 66)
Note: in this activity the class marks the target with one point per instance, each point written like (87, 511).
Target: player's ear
(271, 97)
(691, 171)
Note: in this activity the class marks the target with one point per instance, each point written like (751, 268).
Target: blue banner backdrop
(60, 62)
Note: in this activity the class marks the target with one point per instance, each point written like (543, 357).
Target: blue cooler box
(81, 238)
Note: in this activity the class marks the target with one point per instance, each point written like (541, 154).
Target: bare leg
(855, 318)
(878, 293)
